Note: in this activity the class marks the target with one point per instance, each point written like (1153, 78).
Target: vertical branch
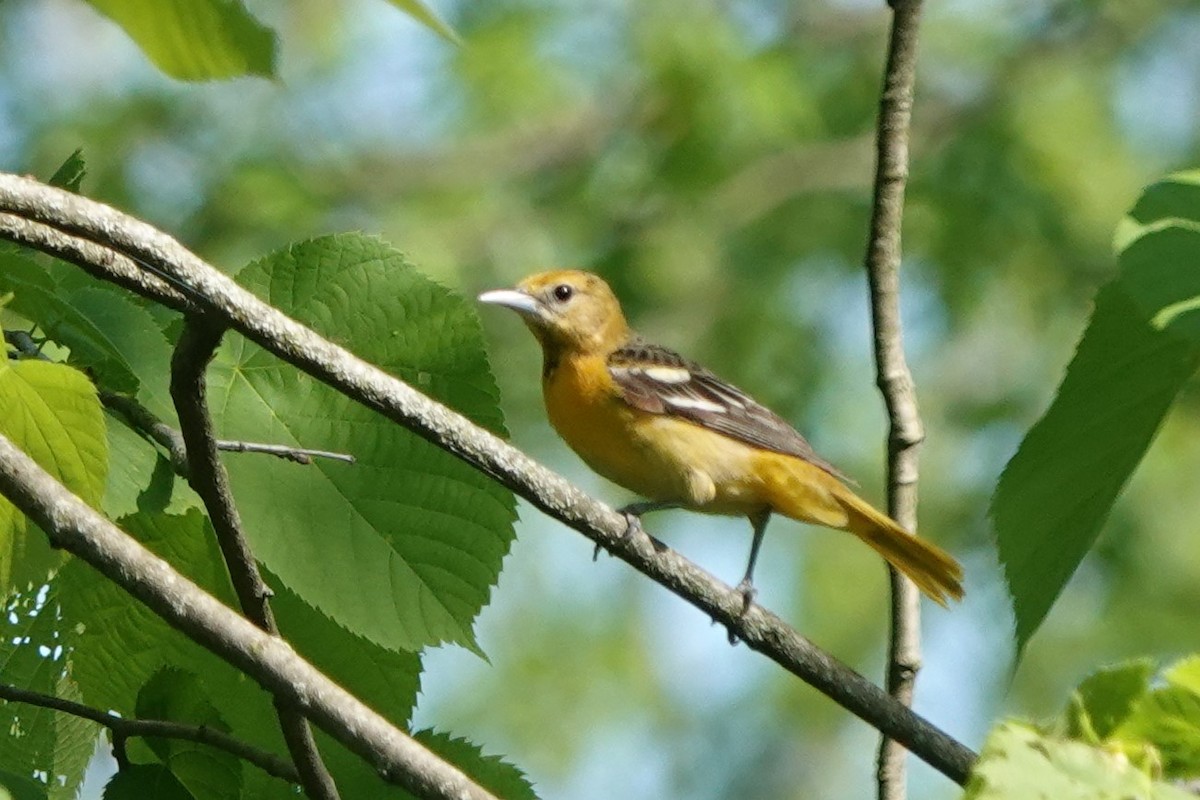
(895, 381)
(207, 476)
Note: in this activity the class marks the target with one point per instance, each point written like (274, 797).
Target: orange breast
(659, 457)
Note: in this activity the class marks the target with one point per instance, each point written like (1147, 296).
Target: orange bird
(668, 429)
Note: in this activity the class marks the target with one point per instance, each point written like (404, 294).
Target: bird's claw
(748, 592)
(632, 523)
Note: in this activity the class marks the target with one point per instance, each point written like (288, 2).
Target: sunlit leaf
(491, 772)
(1018, 763)
(51, 412)
(196, 40)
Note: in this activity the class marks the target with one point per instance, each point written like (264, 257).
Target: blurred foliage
(713, 161)
(1120, 736)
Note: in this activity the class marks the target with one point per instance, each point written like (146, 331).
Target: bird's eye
(563, 292)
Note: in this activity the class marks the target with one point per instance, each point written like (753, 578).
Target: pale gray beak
(511, 298)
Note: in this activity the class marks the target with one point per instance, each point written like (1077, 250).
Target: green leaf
(1109, 695)
(179, 696)
(71, 173)
(131, 333)
(491, 772)
(420, 11)
(1185, 674)
(33, 649)
(131, 468)
(119, 644)
(1169, 720)
(196, 40)
(20, 787)
(1140, 348)
(1018, 763)
(142, 781)
(36, 297)
(386, 680)
(403, 546)
(51, 412)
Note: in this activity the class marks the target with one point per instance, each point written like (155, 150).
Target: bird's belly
(659, 457)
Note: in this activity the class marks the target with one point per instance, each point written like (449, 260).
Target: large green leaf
(403, 546)
(51, 412)
(1140, 348)
(1018, 763)
(196, 40)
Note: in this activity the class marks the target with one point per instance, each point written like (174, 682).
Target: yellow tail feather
(807, 493)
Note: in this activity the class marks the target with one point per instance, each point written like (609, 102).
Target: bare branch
(72, 525)
(206, 474)
(240, 310)
(124, 728)
(895, 381)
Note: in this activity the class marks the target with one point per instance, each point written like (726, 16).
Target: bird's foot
(748, 592)
(633, 523)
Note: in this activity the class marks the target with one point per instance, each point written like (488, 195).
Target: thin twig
(123, 728)
(894, 378)
(271, 662)
(189, 389)
(54, 211)
(144, 421)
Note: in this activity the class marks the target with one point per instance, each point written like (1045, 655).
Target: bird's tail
(805, 492)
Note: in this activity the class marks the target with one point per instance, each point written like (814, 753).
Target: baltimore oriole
(673, 432)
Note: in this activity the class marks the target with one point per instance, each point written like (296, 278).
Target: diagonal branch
(40, 213)
(196, 347)
(124, 728)
(895, 381)
(75, 527)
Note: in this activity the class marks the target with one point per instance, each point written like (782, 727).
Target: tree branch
(895, 381)
(206, 474)
(233, 306)
(75, 527)
(162, 729)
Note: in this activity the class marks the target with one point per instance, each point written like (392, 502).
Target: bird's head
(567, 310)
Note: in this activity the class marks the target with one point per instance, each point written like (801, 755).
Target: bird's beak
(511, 298)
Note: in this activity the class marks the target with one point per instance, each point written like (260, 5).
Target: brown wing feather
(660, 381)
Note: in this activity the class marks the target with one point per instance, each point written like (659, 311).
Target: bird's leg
(746, 587)
(633, 517)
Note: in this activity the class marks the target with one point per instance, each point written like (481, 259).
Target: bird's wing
(660, 381)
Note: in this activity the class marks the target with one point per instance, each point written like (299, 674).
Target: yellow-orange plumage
(669, 430)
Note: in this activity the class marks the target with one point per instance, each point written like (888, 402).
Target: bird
(671, 431)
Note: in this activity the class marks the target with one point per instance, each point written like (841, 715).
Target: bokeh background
(713, 161)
